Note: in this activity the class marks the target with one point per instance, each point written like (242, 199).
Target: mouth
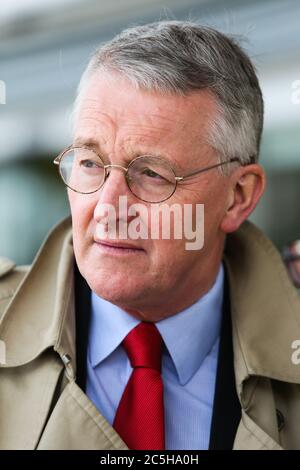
(118, 247)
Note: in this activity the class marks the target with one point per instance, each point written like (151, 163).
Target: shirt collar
(189, 335)
(109, 326)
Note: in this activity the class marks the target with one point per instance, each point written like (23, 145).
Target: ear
(247, 185)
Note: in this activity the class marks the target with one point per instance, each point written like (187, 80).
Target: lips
(120, 245)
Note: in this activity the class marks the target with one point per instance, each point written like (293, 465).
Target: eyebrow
(94, 145)
(86, 143)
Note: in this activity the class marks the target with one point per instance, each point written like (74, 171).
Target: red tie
(140, 415)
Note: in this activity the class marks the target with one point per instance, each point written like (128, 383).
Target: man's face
(160, 277)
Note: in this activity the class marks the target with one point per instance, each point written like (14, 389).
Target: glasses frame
(178, 179)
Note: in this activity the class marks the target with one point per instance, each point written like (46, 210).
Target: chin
(114, 289)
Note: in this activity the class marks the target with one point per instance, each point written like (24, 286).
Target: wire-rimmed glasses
(150, 178)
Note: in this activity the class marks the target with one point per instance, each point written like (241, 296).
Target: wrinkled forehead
(114, 97)
(113, 111)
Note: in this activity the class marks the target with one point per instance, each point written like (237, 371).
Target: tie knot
(143, 345)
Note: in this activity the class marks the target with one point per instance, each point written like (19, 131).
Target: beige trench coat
(42, 407)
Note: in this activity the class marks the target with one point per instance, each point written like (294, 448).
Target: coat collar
(265, 306)
(41, 313)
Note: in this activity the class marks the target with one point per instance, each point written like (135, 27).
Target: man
(120, 341)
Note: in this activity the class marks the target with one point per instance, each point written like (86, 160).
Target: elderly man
(118, 339)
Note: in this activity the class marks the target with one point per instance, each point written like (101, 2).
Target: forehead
(113, 111)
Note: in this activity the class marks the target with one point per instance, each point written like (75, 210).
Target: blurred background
(44, 48)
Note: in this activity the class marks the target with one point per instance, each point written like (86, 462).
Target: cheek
(82, 211)
(170, 258)
(82, 208)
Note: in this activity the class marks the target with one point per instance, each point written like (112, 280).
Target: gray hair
(178, 57)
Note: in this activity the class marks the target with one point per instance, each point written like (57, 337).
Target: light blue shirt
(189, 364)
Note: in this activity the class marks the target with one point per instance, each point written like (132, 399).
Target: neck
(171, 304)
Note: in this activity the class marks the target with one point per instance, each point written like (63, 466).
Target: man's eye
(151, 173)
(89, 164)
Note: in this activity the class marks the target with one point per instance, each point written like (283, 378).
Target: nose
(114, 186)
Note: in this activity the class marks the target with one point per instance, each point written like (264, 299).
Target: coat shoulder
(11, 277)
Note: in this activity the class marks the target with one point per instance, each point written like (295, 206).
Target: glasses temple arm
(196, 172)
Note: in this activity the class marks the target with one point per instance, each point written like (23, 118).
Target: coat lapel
(250, 436)
(26, 401)
(75, 424)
